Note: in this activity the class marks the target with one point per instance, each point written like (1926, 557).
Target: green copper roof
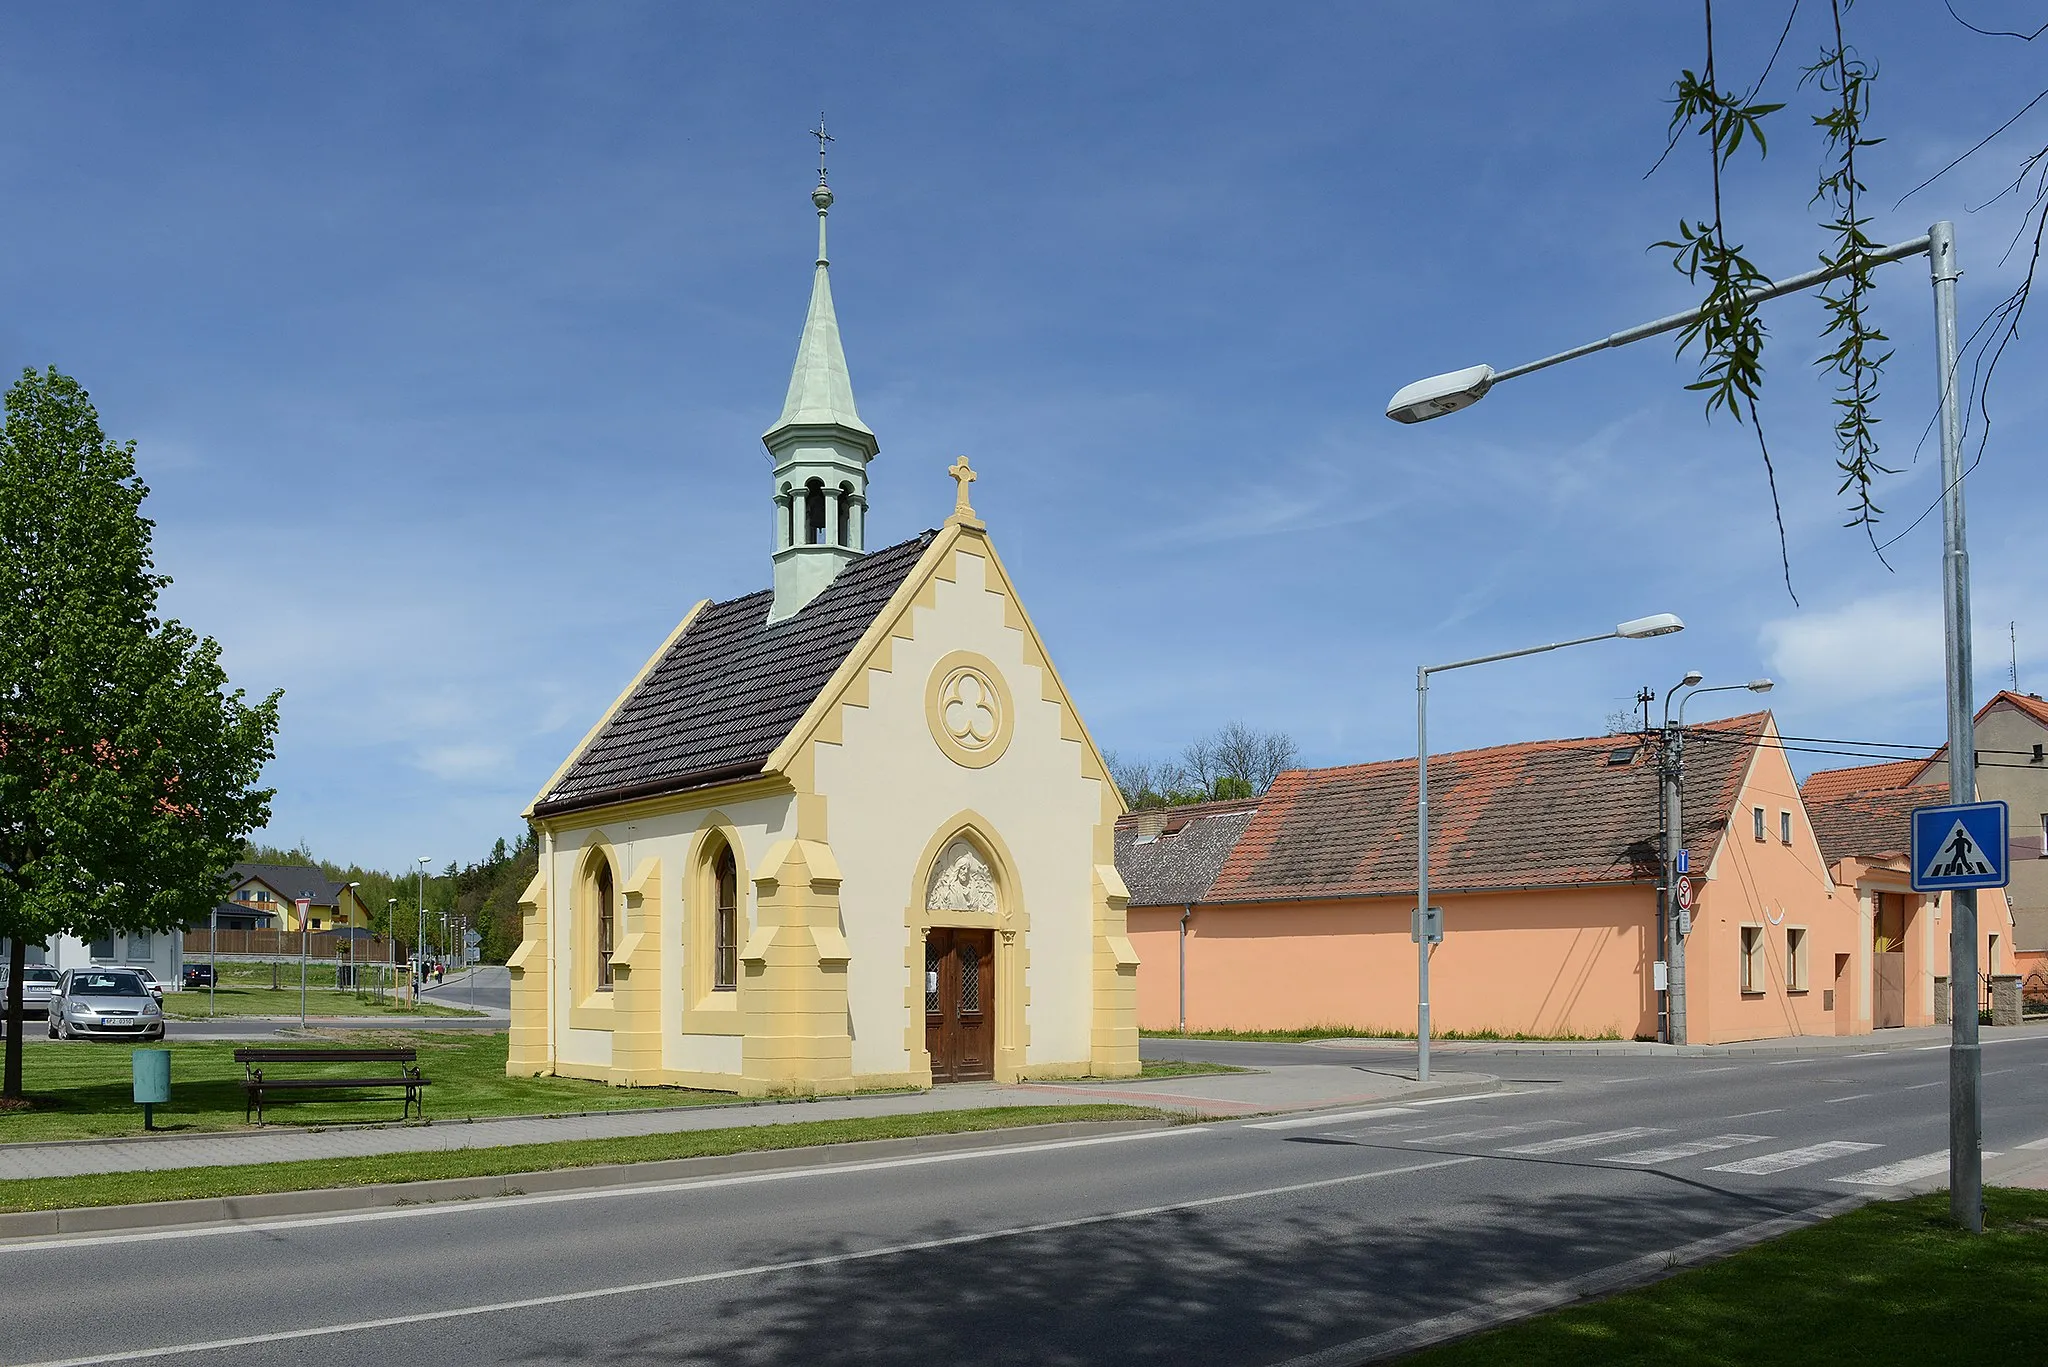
(820, 390)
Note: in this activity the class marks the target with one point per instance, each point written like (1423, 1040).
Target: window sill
(1754, 992)
(1795, 991)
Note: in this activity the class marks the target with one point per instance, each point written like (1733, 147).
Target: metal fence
(284, 944)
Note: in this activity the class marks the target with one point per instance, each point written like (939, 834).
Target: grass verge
(1887, 1283)
(85, 1091)
(1173, 1067)
(124, 1188)
(1315, 1032)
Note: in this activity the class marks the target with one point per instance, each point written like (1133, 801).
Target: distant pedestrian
(440, 972)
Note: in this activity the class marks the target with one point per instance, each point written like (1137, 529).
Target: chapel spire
(820, 446)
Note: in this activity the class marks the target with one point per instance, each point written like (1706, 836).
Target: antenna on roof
(2012, 636)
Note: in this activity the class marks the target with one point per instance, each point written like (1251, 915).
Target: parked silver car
(38, 981)
(104, 1003)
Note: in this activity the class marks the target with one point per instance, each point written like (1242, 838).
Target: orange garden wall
(1571, 962)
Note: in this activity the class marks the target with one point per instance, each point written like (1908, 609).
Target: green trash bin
(152, 1082)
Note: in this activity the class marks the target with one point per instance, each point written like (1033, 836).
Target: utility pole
(1677, 919)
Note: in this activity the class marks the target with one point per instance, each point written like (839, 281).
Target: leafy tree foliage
(127, 765)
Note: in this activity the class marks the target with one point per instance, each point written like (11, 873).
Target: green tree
(127, 766)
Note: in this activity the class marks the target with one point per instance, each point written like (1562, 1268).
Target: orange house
(1863, 818)
(1293, 910)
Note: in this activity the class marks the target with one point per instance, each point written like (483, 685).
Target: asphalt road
(1311, 1240)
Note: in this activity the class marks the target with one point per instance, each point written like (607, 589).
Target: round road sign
(1685, 894)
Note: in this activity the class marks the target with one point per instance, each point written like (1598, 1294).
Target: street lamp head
(1759, 685)
(425, 860)
(1692, 676)
(1642, 628)
(1440, 394)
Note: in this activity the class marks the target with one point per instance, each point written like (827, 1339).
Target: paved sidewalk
(1222, 1094)
(1876, 1042)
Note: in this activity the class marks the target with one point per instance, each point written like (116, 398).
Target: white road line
(1692, 1148)
(1838, 1100)
(1875, 1053)
(1747, 1114)
(731, 1274)
(2034, 1144)
(1582, 1141)
(497, 1203)
(1904, 1171)
(1929, 1048)
(1724, 1068)
(1490, 1132)
(1476, 1096)
(1787, 1159)
(1788, 1062)
(1939, 1082)
(1302, 1122)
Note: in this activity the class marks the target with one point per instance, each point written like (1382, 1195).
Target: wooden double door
(960, 1004)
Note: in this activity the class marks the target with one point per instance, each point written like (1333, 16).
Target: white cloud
(1882, 646)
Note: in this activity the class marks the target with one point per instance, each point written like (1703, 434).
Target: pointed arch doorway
(967, 921)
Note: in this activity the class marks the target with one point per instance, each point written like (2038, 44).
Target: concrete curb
(340, 1200)
(1862, 1044)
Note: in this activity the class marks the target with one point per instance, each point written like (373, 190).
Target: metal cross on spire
(823, 137)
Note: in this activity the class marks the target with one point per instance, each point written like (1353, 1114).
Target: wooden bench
(255, 1085)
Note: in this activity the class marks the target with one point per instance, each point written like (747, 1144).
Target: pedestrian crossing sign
(1960, 846)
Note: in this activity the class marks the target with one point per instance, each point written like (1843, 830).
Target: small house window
(141, 945)
(1757, 818)
(725, 932)
(1795, 958)
(1753, 971)
(1785, 827)
(607, 926)
(101, 949)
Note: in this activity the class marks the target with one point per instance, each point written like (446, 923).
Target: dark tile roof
(730, 688)
(1168, 856)
(1874, 824)
(1544, 814)
(292, 881)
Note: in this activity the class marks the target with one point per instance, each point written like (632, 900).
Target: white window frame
(1757, 820)
(1784, 826)
(1796, 942)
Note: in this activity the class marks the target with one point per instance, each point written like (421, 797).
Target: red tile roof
(1873, 824)
(1825, 785)
(1542, 814)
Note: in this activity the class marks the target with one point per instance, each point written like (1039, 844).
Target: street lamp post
(1441, 394)
(1662, 624)
(419, 945)
(391, 940)
(1676, 917)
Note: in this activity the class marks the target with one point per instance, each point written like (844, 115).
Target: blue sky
(448, 335)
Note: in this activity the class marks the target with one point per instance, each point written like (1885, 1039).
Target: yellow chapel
(849, 831)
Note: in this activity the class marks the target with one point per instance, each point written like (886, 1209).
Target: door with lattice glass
(960, 1004)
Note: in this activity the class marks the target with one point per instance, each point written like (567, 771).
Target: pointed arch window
(814, 513)
(605, 916)
(725, 922)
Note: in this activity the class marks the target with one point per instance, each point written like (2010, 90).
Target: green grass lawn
(1314, 1032)
(1170, 1067)
(1888, 1283)
(81, 1091)
(123, 1188)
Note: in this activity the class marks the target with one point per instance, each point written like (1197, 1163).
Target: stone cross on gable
(963, 475)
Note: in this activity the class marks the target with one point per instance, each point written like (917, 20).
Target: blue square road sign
(1962, 845)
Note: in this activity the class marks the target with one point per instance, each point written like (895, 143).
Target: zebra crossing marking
(1764, 1165)
(1901, 1172)
(1582, 1141)
(1693, 1148)
(1490, 1132)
